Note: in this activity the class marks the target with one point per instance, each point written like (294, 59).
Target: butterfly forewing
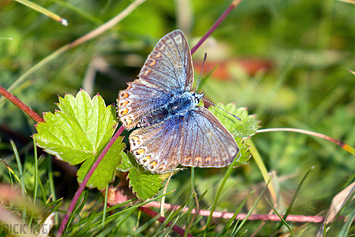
(169, 65)
(167, 72)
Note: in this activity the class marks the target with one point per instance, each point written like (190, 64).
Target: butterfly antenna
(199, 78)
(235, 116)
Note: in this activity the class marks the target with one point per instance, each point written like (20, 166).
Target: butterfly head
(197, 97)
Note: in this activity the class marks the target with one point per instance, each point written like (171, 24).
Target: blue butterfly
(173, 129)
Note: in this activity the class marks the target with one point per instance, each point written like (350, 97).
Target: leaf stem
(216, 24)
(339, 143)
(242, 216)
(161, 219)
(16, 101)
(86, 179)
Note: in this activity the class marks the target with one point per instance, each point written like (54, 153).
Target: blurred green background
(285, 60)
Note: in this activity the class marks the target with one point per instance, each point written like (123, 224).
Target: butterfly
(172, 129)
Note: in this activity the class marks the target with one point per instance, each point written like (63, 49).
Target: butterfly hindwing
(206, 142)
(196, 139)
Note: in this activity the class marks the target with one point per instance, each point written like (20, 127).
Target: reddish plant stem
(216, 24)
(228, 215)
(21, 105)
(85, 181)
(315, 134)
(161, 219)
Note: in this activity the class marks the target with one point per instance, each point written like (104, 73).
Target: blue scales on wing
(166, 73)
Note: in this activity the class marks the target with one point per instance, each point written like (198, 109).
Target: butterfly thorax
(178, 106)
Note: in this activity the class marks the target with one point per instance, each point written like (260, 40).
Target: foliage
(285, 61)
(78, 133)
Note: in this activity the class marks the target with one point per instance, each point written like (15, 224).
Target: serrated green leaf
(144, 184)
(79, 131)
(244, 152)
(126, 163)
(106, 170)
(242, 129)
(239, 129)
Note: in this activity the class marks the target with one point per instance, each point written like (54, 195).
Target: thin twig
(216, 24)
(228, 215)
(21, 105)
(161, 219)
(86, 179)
(339, 143)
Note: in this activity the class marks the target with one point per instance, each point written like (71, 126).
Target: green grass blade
(232, 219)
(22, 181)
(172, 215)
(252, 209)
(282, 219)
(105, 208)
(36, 175)
(191, 203)
(260, 163)
(219, 192)
(345, 229)
(295, 196)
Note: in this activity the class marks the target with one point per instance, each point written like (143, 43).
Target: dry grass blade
(44, 11)
(348, 1)
(10, 219)
(47, 225)
(338, 203)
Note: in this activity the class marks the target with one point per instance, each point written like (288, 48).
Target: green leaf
(106, 170)
(126, 163)
(239, 129)
(144, 184)
(79, 132)
(242, 129)
(244, 152)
